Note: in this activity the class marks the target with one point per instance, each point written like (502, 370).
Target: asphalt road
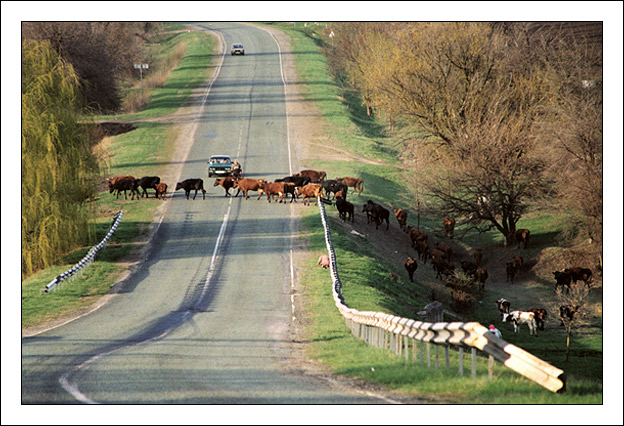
(204, 320)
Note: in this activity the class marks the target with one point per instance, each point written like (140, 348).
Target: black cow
(577, 273)
(377, 214)
(192, 184)
(125, 184)
(148, 182)
(563, 278)
(503, 305)
(346, 210)
(441, 266)
(333, 186)
(469, 268)
(297, 180)
(511, 269)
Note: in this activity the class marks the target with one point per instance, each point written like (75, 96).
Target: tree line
(497, 117)
(102, 54)
(69, 70)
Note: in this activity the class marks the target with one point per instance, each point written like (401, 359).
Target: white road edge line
(292, 274)
(292, 266)
(65, 379)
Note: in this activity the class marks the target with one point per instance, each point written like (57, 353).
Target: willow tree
(58, 169)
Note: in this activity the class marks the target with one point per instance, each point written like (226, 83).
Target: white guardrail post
(85, 261)
(371, 327)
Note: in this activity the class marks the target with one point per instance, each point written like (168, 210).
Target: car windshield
(220, 160)
(237, 45)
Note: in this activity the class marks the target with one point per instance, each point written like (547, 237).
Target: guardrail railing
(396, 333)
(78, 268)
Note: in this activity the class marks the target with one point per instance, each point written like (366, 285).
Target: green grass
(193, 70)
(367, 284)
(144, 151)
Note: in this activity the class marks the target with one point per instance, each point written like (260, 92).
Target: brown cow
(437, 254)
(448, 250)
(441, 266)
(161, 190)
(416, 235)
(478, 256)
(323, 260)
(401, 216)
(271, 189)
(340, 194)
(351, 182)
(522, 237)
(540, 317)
(411, 265)
(423, 250)
(518, 261)
(449, 226)
(247, 185)
(481, 275)
(577, 273)
(112, 183)
(226, 183)
(314, 175)
(311, 190)
(126, 184)
(115, 179)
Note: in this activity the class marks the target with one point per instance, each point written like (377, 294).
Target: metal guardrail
(394, 332)
(85, 261)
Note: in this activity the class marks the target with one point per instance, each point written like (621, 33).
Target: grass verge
(366, 277)
(144, 151)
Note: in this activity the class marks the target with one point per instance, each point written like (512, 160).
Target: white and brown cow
(518, 318)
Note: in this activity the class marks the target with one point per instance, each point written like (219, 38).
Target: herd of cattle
(307, 184)
(441, 259)
(310, 184)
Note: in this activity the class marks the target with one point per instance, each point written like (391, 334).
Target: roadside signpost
(141, 67)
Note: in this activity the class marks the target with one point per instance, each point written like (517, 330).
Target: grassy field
(367, 282)
(144, 151)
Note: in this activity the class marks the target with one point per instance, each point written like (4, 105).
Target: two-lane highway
(205, 318)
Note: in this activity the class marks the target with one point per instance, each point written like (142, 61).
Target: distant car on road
(219, 165)
(237, 49)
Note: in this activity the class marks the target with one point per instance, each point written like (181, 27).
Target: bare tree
(477, 96)
(101, 53)
(572, 127)
(468, 86)
(571, 307)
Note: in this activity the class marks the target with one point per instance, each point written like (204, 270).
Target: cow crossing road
(204, 318)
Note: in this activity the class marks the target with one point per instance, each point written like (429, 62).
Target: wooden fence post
(461, 361)
(429, 355)
(473, 352)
